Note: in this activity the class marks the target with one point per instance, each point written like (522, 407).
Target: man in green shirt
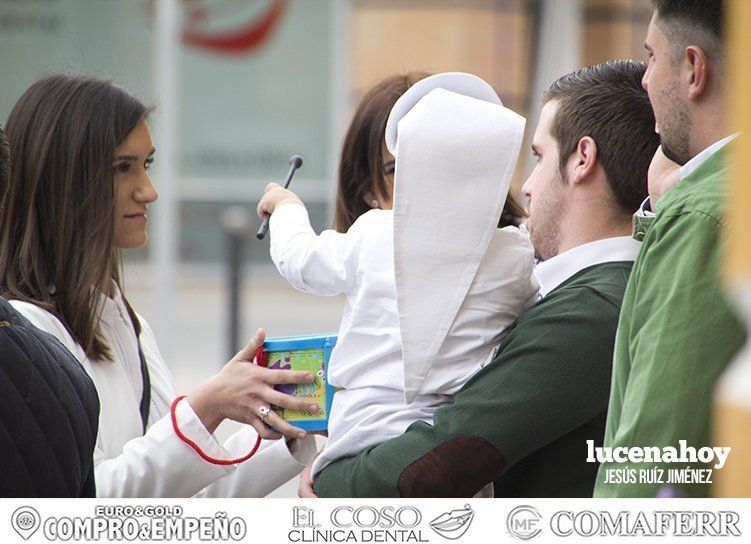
(677, 331)
(523, 421)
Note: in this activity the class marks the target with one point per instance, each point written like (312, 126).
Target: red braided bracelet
(199, 451)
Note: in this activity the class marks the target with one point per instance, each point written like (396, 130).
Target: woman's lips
(137, 217)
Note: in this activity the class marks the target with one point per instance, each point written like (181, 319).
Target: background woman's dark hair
(361, 168)
(513, 212)
(57, 224)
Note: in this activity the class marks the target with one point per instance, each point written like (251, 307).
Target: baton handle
(295, 162)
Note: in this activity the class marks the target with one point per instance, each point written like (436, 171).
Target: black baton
(295, 162)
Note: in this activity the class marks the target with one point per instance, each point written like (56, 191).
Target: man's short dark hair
(693, 22)
(4, 164)
(607, 103)
(704, 14)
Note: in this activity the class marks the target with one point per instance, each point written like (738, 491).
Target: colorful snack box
(309, 353)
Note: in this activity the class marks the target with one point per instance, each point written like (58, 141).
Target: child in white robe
(432, 284)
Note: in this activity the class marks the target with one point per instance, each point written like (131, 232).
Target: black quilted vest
(49, 412)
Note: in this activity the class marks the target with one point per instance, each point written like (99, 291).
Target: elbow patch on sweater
(458, 468)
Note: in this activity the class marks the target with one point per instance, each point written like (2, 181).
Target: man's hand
(662, 175)
(273, 197)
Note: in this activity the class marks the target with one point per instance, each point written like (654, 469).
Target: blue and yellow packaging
(306, 353)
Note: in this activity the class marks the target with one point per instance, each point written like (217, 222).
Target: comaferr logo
(675, 523)
(526, 523)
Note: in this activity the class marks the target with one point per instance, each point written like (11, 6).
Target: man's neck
(707, 141)
(591, 228)
(698, 159)
(708, 129)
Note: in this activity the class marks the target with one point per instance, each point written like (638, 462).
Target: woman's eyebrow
(133, 157)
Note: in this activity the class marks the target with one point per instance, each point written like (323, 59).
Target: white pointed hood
(456, 148)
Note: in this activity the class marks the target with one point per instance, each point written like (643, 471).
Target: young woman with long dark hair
(78, 195)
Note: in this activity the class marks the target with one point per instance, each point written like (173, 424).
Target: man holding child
(522, 422)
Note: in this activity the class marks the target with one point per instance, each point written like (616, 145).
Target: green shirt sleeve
(677, 333)
(552, 374)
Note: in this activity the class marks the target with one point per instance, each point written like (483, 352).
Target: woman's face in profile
(133, 188)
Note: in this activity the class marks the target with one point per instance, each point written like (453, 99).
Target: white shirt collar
(112, 306)
(691, 166)
(553, 272)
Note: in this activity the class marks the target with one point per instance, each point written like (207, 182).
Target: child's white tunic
(367, 360)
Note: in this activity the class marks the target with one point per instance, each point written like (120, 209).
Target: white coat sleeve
(160, 464)
(271, 466)
(324, 265)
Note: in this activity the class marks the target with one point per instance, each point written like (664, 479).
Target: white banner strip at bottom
(429, 521)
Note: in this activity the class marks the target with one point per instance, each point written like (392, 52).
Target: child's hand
(273, 197)
(663, 174)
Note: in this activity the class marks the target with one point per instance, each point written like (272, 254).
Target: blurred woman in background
(365, 182)
(366, 168)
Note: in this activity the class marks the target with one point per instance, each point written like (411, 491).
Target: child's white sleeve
(324, 265)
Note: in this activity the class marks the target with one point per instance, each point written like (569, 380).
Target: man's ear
(584, 160)
(696, 72)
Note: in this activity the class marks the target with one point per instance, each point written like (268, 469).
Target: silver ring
(263, 413)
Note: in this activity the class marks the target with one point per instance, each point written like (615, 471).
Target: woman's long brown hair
(361, 162)
(57, 213)
(513, 212)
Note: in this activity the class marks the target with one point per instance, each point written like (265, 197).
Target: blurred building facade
(502, 41)
(259, 80)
